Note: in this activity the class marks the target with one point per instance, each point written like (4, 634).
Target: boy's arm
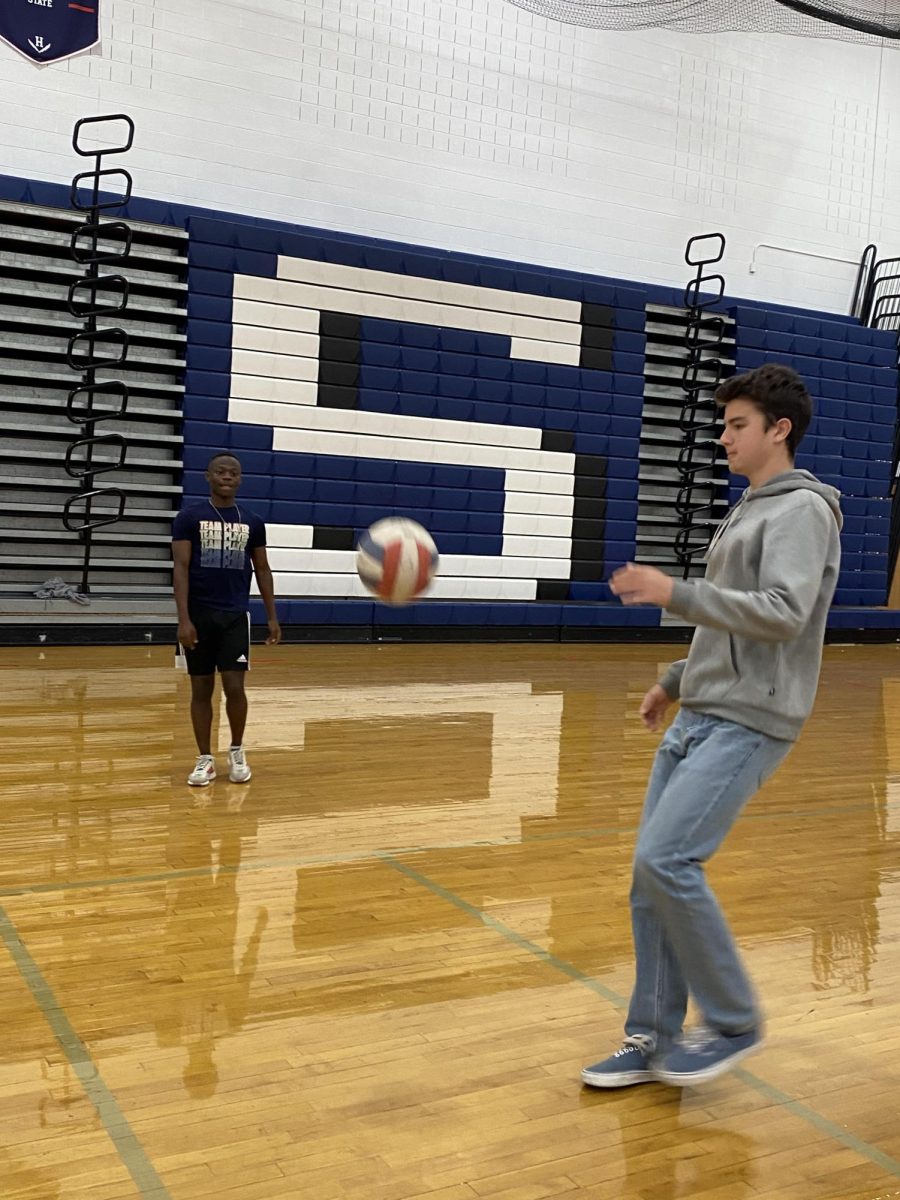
(266, 586)
(671, 679)
(794, 555)
(181, 554)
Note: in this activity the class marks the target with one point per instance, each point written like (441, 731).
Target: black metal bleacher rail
(130, 559)
(85, 511)
(703, 478)
(876, 294)
(861, 287)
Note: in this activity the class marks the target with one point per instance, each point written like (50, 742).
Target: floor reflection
(211, 966)
(408, 765)
(669, 1147)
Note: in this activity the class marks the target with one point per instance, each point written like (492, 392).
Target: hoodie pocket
(758, 667)
(713, 667)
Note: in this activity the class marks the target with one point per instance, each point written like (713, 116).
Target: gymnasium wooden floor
(376, 971)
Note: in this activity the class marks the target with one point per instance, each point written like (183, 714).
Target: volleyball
(396, 559)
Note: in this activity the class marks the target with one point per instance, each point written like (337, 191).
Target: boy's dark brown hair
(777, 392)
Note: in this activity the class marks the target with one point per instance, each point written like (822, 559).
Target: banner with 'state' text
(47, 31)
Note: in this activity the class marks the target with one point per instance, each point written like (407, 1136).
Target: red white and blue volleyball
(396, 559)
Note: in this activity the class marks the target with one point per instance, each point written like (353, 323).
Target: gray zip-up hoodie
(760, 612)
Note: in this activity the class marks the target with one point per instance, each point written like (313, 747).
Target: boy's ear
(783, 427)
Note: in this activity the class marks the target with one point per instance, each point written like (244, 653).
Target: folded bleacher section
(131, 559)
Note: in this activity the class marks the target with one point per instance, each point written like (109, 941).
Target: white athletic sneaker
(239, 772)
(204, 771)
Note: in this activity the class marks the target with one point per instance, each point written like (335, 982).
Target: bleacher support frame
(703, 371)
(79, 512)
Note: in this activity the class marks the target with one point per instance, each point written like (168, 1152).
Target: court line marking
(864, 1149)
(132, 1154)
(313, 860)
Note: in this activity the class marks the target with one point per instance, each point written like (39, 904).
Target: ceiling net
(861, 21)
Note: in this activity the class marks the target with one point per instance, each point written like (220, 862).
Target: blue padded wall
(851, 372)
(498, 405)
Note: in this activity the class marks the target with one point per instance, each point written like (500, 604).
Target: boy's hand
(653, 707)
(642, 585)
(187, 635)
(274, 634)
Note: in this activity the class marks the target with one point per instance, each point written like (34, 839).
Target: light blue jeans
(705, 771)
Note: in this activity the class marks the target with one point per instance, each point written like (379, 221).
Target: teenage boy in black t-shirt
(216, 546)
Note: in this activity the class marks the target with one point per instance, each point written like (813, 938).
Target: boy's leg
(201, 665)
(204, 771)
(235, 704)
(233, 661)
(659, 999)
(723, 765)
(236, 708)
(201, 710)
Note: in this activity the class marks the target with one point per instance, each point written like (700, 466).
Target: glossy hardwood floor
(375, 971)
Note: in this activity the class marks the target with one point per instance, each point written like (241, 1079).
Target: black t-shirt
(221, 541)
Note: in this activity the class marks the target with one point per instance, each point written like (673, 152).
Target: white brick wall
(472, 125)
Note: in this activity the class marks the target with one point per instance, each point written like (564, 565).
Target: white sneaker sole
(622, 1079)
(675, 1079)
(240, 778)
(201, 782)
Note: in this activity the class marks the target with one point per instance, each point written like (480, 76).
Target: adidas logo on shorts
(243, 658)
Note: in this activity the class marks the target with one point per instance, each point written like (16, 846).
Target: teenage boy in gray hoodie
(746, 688)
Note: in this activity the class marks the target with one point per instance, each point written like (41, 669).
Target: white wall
(473, 125)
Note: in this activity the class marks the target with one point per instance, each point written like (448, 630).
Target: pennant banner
(47, 31)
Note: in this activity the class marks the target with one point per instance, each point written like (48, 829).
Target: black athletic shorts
(223, 642)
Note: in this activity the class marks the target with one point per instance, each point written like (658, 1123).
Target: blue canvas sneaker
(703, 1054)
(630, 1064)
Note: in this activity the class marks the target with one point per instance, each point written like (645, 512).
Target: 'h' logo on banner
(47, 31)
